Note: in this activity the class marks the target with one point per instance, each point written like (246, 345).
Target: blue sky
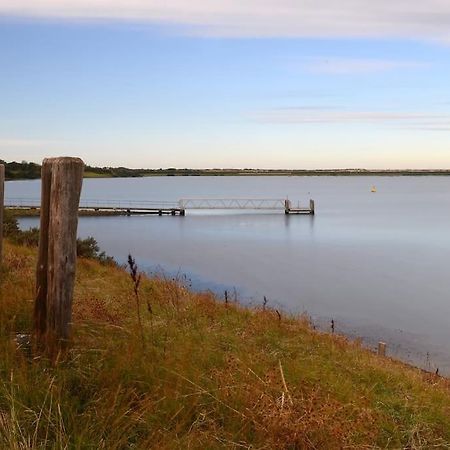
(190, 86)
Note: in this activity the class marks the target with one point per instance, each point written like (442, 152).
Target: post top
(63, 160)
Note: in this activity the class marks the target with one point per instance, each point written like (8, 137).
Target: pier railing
(96, 204)
(233, 203)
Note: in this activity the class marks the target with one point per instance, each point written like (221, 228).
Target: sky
(237, 83)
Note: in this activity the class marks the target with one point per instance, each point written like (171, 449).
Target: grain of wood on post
(2, 201)
(61, 188)
(40, 306)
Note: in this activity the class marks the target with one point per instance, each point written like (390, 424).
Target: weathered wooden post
(61, 188)
(2, 201)
(40, 305)
(312, 206)
(381, 348)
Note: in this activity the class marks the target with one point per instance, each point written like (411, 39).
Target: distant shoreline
(31, 171)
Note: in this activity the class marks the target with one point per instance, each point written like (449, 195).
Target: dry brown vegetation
(208, 376)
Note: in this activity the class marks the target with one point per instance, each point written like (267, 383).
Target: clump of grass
(212, 376)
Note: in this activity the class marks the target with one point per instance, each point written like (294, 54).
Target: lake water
(376, 263)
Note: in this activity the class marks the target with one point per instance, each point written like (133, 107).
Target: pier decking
(173, 208)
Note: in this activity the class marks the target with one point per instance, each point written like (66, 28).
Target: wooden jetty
(122, 207)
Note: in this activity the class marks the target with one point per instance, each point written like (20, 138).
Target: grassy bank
(199, 374)
(22, 212)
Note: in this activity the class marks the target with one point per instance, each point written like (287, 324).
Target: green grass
(206, 375)
(21, 212)
(88, 174)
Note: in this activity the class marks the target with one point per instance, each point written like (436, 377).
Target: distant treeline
(28, 171)
(21, 171)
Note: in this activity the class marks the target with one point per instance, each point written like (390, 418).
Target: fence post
(2, 201)
(40, 305)
(61, 188)
(381, 348)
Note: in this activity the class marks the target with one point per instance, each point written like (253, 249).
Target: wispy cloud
(260, 18)
(11, 143)
(311, 116)
(345, 66)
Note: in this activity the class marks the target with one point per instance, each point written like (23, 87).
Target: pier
(257, 204)
(179, 208)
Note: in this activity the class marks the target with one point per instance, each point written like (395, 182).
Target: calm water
(378, 264)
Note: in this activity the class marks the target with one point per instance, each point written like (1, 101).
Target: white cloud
(307, 116)
(428, 19)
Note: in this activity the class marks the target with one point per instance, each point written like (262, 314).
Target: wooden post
(2, 201)
(40, 305)
(311, 207)
(61, 188)
(381, 348)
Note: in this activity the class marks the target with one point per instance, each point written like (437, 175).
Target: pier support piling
(287, 206)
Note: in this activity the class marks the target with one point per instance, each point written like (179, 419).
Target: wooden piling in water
(312, 206)
(2, 201)
(55, 277)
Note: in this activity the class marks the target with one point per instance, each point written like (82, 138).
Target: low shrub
(86, 248)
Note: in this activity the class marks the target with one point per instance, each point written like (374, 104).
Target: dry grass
(210, 376)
